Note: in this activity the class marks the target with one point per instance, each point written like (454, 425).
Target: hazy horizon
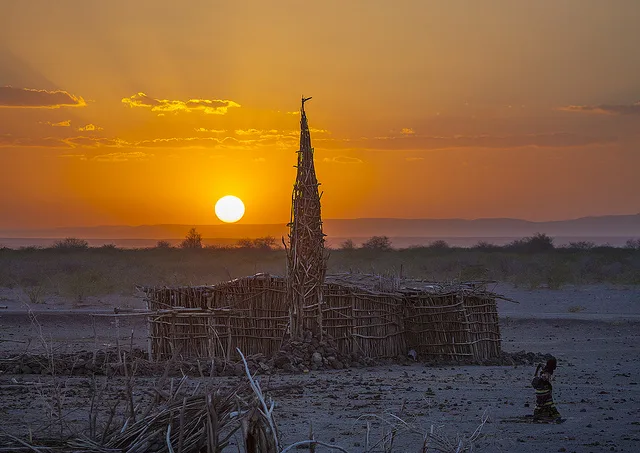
(284, 223)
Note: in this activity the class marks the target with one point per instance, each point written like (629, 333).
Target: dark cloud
(9, 141)
(606, 109)
(11, 97)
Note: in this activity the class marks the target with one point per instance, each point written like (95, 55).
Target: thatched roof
(370, 283)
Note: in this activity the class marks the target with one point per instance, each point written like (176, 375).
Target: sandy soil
(593, 330)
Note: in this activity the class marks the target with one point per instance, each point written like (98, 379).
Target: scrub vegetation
(74, 270)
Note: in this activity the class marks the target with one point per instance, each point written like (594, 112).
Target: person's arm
(537, 370)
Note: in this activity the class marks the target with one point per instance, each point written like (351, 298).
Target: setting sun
(229, 209)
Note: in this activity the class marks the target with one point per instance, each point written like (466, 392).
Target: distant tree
(633, 244)
(193, 240)
(539, 242)
(244, 243)
(263, 243)
(163, 245)
(71, 244)
(581, 245)
(108, 247)
(377, 243)
(347, 245)
(438, 245)
(484, 245)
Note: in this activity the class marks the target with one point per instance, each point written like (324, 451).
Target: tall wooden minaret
(306, 257)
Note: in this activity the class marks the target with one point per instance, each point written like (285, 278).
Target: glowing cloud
(137, 156)
(211, 131)
(254, 132)
(206, 106)
(605, 109)
(11, 97)
(66, 123)
(90, 128)
(342, 160)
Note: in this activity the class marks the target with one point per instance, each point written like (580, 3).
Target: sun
(229, 209)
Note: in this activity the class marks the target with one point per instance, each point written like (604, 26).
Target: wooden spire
(306, 257)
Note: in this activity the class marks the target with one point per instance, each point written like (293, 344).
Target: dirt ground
(592, 330)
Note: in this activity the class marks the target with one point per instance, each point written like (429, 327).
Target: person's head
(550, 367)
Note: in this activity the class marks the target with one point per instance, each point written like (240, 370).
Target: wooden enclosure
(371, 316)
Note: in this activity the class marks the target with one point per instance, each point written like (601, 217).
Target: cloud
(66, 123)
(259, 159)
(606, 109)
(426, 142)
(342, 160)
(90, 128)
(413, 159)
(206, 106)
(137, 156)
(211, 131)
(254, 131)
(9, 141)
(133, 156)
(190, 142)
(11, 97)
(73, 156)
(407, 131)
(95, 142)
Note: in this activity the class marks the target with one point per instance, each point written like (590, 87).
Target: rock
(281, 360)
(239, 369)
(25, 369)
(316, 358)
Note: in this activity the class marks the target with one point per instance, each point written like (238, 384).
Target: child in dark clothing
(545, 410)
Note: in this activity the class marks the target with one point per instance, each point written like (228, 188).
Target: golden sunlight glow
(229, 209)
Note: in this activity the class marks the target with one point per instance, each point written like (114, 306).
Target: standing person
(545, 410)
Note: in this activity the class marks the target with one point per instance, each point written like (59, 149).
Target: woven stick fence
(364, 317)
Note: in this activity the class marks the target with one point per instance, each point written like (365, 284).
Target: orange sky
(147, 112)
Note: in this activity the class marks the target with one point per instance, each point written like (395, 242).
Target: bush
(193, 240)
(71, 244)
(633, 244)
(377, 243)
(581, 245)
(347, 245)
(163, 245)
(438, 245)
(540, 242)
(484, 245)
(263, 243)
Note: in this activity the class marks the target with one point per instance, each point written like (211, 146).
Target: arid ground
(592, 330)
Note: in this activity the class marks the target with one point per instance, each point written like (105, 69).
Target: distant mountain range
(602, 226)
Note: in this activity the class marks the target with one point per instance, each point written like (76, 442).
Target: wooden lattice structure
(306, 257)
(366, 315)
